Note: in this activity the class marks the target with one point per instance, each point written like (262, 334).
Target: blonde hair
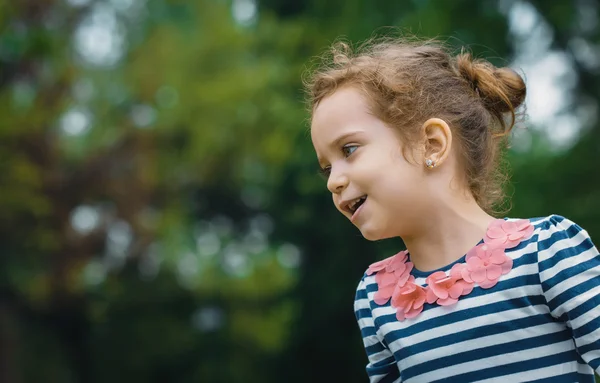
(407, 82)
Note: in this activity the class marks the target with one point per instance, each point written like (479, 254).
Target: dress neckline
(481, 267)
(424, 274)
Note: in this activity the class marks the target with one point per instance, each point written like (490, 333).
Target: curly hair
(407, 82)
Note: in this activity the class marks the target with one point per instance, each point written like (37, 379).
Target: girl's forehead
(341, 111)
(344, 102)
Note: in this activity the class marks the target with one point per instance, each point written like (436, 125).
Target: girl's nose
(337, 181)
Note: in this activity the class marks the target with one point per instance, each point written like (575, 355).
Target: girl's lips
(357, 212)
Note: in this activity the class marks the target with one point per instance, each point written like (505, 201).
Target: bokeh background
(161, 217)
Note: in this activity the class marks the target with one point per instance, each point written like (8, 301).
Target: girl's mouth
(357, 207)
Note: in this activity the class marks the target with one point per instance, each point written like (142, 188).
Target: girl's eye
(325, 172)
(349, 149)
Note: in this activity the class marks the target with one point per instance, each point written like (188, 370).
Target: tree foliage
(162, 219)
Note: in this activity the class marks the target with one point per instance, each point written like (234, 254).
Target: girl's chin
(371, 234)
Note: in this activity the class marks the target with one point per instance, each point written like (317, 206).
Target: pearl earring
(429, 163)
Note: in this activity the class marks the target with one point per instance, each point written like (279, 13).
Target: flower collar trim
(484, 265)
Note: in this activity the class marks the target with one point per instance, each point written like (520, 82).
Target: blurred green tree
(161, 215)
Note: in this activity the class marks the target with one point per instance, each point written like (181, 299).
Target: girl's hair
(407, 82)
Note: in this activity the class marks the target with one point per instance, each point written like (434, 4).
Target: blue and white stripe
(540, 323)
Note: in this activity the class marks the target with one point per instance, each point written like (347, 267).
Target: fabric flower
(391, 272)
(444, 289)
(507, 234)
(485, 265)
(408, 299)
(392, 262)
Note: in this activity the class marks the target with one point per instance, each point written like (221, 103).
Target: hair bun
(502, 90)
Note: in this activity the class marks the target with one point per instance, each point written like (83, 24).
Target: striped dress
(539, 323)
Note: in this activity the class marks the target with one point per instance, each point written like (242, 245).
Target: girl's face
(371, 182)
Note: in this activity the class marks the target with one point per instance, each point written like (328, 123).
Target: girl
(410, 139)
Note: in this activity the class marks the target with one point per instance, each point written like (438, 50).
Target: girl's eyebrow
(344, 136)
(341, 138)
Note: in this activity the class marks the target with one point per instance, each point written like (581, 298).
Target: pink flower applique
(392, 261)
(445, 290)
(391, 272)
(507, 234)
(485, 265)
(408, 299)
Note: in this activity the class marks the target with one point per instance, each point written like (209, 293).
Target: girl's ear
(437, 139)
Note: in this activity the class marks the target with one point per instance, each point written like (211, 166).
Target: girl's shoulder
(551, 221)
(561, 243)
(555, 227)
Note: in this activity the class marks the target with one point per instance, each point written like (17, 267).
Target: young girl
(410, 139)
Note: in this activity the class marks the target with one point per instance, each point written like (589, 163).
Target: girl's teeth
(354, 203)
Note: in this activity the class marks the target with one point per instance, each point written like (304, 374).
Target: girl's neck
(451, 231)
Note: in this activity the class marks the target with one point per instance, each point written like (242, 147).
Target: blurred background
(161, 217)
